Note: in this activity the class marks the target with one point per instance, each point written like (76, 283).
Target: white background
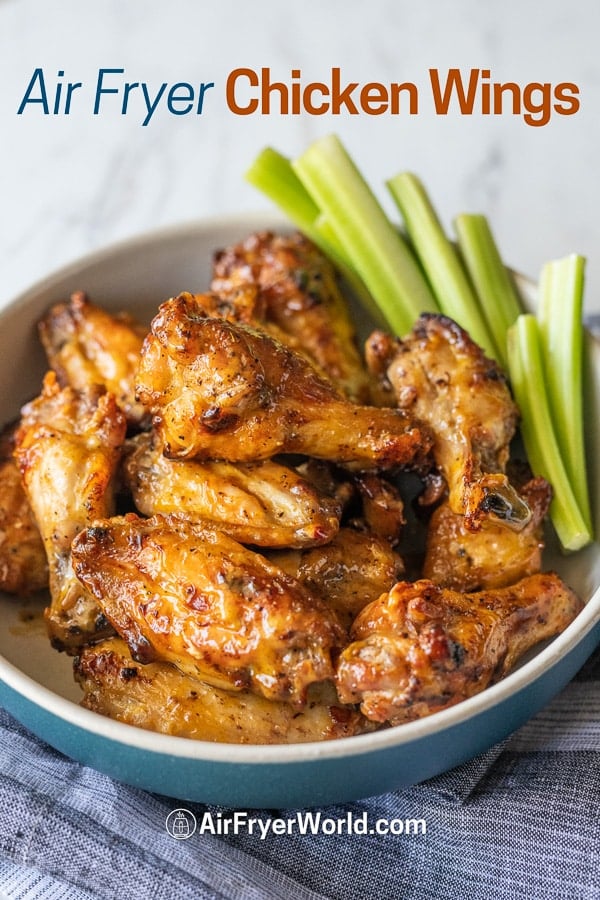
(72, 184)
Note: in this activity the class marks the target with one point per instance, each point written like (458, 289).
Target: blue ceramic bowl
(36, 683)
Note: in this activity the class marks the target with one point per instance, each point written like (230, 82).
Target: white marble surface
(71, 184)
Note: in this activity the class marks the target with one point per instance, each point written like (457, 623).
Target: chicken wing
(445, 379)
(185, 594)
(23, 565)
(492, 557)
(86, 346)
(159, 697)
(220, 390)
(67, 448)
(264, 503)
(303, 299)
(355, 568)
(422, 648)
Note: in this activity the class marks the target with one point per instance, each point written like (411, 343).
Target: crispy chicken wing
(302, 298)
(67, 448)
(159, 697)
(220, 390)
(422, 648)
(189, 595)
(23, 565)
(85, 346)
(263, 503)
(492, 557)
(446, 380)
(354, 569)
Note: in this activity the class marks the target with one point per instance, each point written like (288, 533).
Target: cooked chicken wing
(422, 648)
(445, 379)
(261, 503)
(189, 595)
(67, 448)
(23, 566)
(382, 506)
(355, 568)
(85, 346)
(219, 390)
(302, 297)
(159, 697)
(492, 557)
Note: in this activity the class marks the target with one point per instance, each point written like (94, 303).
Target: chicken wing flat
(86, 346)
(67, 448)
(23, 565)
(191, 596)
(159, 697)
(264, 503)
(492, 557)
(220, 390)
(302, 298)
(446, 380)
(354, 569)
(422, 648)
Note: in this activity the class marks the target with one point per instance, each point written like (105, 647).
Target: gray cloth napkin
(521, 821)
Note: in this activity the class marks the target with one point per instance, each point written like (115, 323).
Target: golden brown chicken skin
(440, 375)
(88, 346)
(302, 297)
(188, 595)
(349, 572)
(220, 390)
(67, 448)
(159, 697)
(263, 503)
(422, 648)
(492, 557)
(23, 565)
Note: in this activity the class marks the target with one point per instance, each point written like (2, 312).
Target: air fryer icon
(181, 824)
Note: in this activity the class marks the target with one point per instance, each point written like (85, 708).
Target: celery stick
(560, 308)
(273, 175)
(529, 387)
(439, 259)
(498, 298)
(378, 253)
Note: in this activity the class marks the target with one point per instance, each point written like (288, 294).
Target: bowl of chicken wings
(255, 550)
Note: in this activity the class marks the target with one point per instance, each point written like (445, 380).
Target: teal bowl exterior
(311, 780)
(36, 684)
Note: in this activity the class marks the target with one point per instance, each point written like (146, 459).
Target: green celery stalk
(273, 175)
(498, 298)
(378, 253)
(560, 308)
(527, 377)
(439, 259)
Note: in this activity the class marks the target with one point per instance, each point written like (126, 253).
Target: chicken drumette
(220, 390)
(302, 297)
(421, 648)
(445, 379)
(189, 595)
(67, 448)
